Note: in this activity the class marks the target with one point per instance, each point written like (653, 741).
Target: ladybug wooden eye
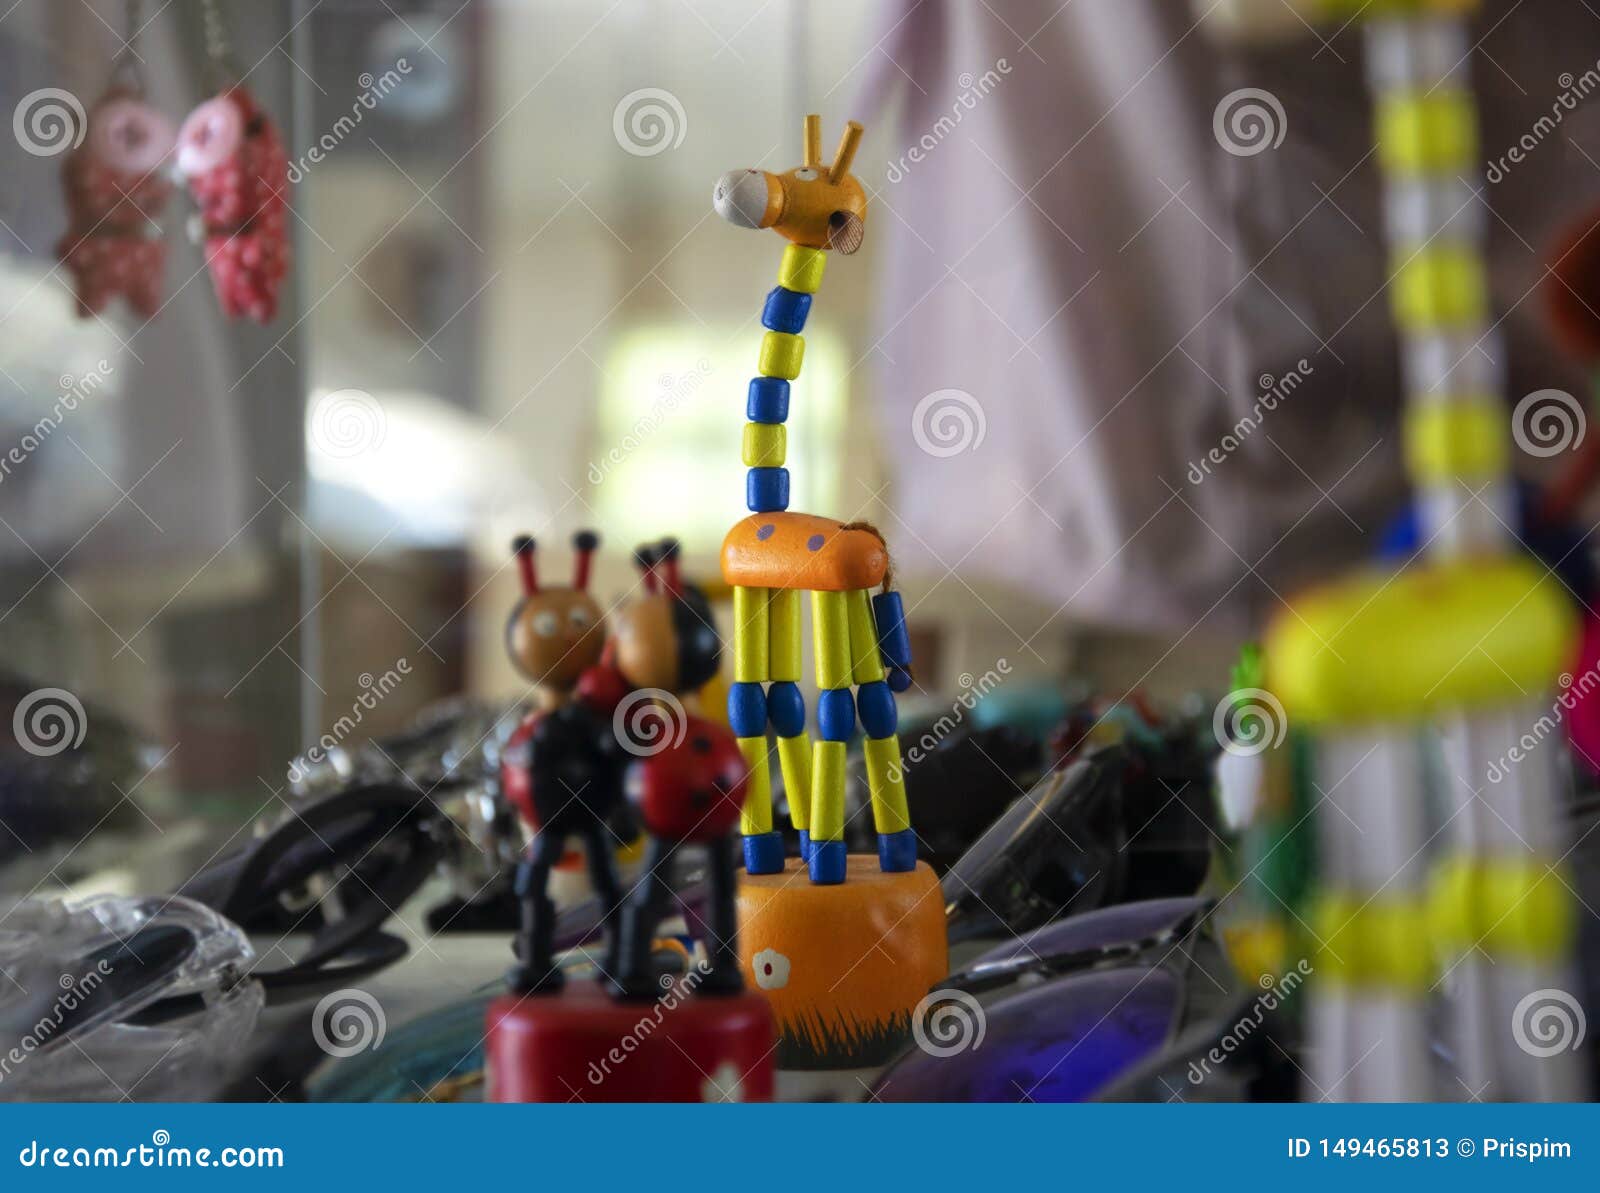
(806, 174)
(580, 617)
(546, 624)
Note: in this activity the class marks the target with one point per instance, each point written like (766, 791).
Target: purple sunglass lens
(1059, 1042)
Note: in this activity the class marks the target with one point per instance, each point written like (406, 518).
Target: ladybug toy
(562, 768)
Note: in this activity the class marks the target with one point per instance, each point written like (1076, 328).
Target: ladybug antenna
(668, 553)
(585, 542)
(646, 559)
(523, 548)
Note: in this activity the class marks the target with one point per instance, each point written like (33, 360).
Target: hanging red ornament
(116, 190)
(233, 160)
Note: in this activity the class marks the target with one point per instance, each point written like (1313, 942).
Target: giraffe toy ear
(846, 231)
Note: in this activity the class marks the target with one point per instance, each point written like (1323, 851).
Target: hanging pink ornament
(232, 157)
(116, 191)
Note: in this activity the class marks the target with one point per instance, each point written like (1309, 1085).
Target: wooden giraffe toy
(775, 554)
(846, 958)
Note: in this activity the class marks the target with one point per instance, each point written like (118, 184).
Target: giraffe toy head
(814, 205)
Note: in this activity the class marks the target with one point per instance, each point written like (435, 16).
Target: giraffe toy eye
(806, 174)
(580, 617)
(546, 624)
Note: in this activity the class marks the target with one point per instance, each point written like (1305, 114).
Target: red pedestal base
(582, 1045)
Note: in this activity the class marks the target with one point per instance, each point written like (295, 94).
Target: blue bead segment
(768, 400)
(747, 710)
(767, 489)
(827, 862)
(897, 852)
(786, 708)
(763, 853)
(805, 846)
(836, 715)
(894, 640)
(899, 679)
(786, 310)
(875, 704)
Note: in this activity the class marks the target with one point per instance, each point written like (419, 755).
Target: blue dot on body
(814, 543)
(765, 532)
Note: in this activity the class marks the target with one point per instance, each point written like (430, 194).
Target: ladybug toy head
(666, 638)
(555, 634)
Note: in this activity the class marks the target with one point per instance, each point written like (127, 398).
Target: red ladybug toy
(689, 791)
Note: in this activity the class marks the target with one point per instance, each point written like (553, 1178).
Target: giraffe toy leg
(897, 844)
(786, 709)
(747, 717)
(836, 723)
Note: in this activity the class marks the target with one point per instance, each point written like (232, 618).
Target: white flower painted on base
(772, 969)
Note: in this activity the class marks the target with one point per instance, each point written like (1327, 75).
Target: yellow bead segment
(866, 663)
(1441, 286)
(764, 445)
(751, 661)
(830, 639)
(1510, 907)
(756, 817)
(781, 355)
(1427, 133)
(827, 791)
(1456, 441)
(1258, 948)
(801, 269)
(794, 759)
(783, 620)
(887, 783)
(1372, 941)
(1350, 10)
(1439, 637)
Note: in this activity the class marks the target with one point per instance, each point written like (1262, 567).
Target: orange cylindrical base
(843, 965)
(582, 1045)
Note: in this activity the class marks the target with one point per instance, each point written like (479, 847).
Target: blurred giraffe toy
(1429, 677)
(230, 153)
(116, 190)
(846, 957)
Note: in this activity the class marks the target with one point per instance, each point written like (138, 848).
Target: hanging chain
(125, 70)
(220, 68)
(216, 35)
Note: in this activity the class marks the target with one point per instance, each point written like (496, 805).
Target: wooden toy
(1466, 644)
(116, 189)
(845, 957)
(775, 554)
(688, 793)
(561, 768)
(623, 727)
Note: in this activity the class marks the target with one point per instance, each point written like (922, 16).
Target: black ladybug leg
(722, 943)
(603, 876)
(536, 971)
(651, 901)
